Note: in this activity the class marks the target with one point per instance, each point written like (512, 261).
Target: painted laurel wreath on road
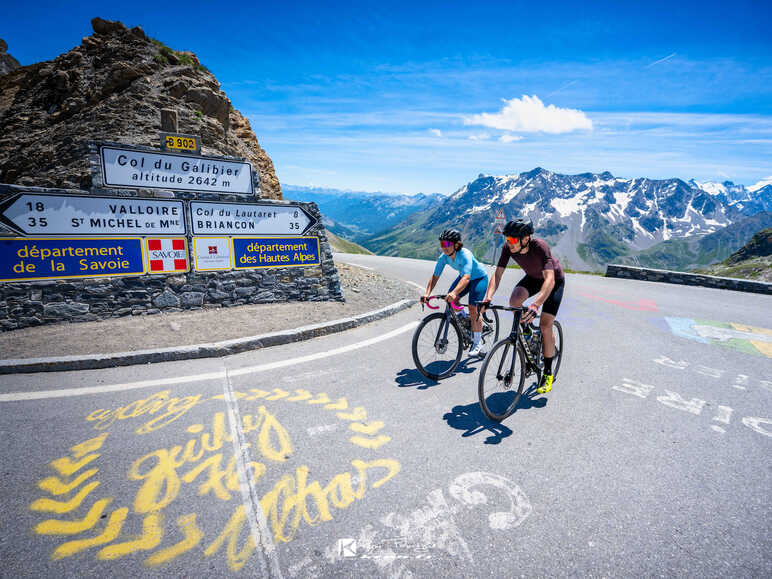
(89, 523)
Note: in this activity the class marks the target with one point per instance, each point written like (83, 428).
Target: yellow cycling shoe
(545, 384)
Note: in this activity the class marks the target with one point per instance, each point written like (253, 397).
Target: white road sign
(132, 168)
(248, 219)
(41, 214)
(212, 253)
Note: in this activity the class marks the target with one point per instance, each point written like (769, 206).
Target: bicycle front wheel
(437, 346)
(501, 380)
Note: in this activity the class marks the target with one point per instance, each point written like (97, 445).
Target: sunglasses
(513, 240)
(446, 244)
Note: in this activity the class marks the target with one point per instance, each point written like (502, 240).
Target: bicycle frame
(516, 337)
(450, 317)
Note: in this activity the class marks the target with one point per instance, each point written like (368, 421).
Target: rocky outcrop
(759, 246)
(7, 62)
(112, 87)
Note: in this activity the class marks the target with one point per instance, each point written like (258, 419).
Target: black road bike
(511, 361)
(441, 337)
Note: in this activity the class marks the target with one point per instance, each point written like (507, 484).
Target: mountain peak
(536, 172)
(7, 62)
(91, 93)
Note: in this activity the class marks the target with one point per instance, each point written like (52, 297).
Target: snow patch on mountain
(761, 184)
(566, 207)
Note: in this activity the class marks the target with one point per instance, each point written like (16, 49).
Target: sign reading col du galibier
(133, 168)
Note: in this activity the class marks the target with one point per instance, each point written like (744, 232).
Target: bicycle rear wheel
(490, 330)
(437, 346)
(558, 332)
(501, 380)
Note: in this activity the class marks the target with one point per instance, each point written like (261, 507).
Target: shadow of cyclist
(411, 377)
(472, 419)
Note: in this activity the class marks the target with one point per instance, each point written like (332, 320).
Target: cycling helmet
(450, 235)
(518, 228)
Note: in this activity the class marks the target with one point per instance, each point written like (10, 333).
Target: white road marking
(220, 375)
(254, 511)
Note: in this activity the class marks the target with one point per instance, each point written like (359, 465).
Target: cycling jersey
(464, 263)
(534, 261)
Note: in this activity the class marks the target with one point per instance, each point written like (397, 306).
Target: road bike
(511, 361)
(441, 337)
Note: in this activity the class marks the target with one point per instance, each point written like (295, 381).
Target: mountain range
(589, 219)
(357, 215)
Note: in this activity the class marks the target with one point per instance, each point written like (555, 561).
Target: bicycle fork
(507, 379)
(441, 340)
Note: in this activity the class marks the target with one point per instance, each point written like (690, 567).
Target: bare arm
(430, 286)
(462, 283)
(546, 287)
(493, 285)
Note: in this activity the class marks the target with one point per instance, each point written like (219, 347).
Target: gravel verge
(364, 291)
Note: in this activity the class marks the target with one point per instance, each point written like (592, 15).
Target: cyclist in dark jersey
(543, 277)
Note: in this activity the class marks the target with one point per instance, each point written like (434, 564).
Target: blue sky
(423, 96)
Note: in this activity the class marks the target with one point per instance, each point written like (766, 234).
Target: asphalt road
(333, 457)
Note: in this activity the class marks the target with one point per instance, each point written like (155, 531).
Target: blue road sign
(35, 258)
(252, 252)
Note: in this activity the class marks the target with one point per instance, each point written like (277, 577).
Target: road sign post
(498, 229)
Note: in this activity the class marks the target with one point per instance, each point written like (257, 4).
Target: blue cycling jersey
(464, 263)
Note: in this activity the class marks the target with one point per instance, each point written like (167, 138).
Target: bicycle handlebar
(453, 305)
(506, 308)
(441, 296)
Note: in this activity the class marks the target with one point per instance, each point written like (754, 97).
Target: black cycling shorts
(533, 286)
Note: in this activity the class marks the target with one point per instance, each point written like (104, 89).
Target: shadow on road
(472, 420)
(411, 377)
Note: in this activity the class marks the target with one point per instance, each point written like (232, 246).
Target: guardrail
(679, 277)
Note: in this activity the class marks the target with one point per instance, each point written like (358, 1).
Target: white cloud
(530, 115)
(510, 138)
(436, 132)
(479, 137)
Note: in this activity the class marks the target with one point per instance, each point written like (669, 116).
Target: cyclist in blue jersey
(472, 279)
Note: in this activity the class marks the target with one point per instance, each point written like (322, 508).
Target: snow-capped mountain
(589, 219)
(750, 200)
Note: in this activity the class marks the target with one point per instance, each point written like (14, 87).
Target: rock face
(112, 87)
(759, 246)
(7, 62)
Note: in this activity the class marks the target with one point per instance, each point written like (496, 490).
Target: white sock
(475, 338)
